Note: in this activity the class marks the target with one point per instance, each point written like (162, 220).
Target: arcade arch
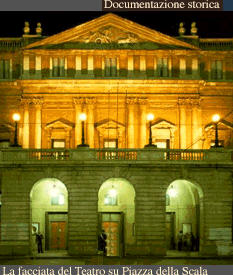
(116, 207)
(184, 211)
(49, 214)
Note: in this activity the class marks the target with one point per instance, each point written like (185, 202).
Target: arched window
(110, 200)
(58, 200)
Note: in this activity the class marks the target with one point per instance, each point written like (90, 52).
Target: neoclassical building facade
(116, 72)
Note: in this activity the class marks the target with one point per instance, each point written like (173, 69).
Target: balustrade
(12, 155)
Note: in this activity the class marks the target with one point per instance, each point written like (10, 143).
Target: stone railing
(218, 44)
(10, 43)
(19, 155)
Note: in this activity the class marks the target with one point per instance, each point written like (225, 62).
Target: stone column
(143, 66)
(67, 140)
(90, 102)
(25, 104)
(182, 68)
(38, 102)
(182, 108)
(11, 68)
(195, 104)
(195, 72)
(78, 104)
(195, 133)
(130, 66)
(130, 131)
(78, 66)
(90, 66)
(169, 67)
(38, 66)
(25, 66)
(143, 120)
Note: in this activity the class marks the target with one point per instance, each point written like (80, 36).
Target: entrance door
(58, 235)
(170, 230)
(112, 223)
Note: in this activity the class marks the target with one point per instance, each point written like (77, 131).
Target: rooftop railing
(10, 43)
(219, 44)
(19, 155)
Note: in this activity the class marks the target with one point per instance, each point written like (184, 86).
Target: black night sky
(209, 24)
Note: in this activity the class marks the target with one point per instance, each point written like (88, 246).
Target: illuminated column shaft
(142, 66)
(90, 123)
(130, 66)
(26, 127)
(182, 127)
(38, 127)
(195, 68)
(195, 132)
(26, 66)
(90, 65)
(143, 121)
(182, 67)
(130, 103)
(78, 125)
(38, 66)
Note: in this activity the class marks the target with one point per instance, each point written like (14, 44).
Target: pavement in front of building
(62, 258)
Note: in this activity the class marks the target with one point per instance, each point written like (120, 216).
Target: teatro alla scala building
(114, 125)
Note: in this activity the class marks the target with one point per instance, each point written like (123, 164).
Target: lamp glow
(83, 117)
(172, 192)
(16, 117)
(150, 117)
(112, 192)
(216, 118)
(54, 191)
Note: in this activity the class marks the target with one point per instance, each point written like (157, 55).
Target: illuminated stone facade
(116, 72)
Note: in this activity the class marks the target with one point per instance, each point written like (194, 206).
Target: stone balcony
(15, 155)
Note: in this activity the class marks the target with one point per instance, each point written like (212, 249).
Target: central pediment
(110, 29)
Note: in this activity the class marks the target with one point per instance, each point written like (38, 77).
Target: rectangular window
(110, 143)
(5, 69)
(110, 67)
(162, 143)
(162, 67)
(216, 69)
(58, 67)
(58, 143)
(58, 200)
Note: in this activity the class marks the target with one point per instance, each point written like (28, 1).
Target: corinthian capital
(142, 101)
(131, 101)
(38, 101)
(78, 101)
(90, 101)
(25, 102)
(190, 102)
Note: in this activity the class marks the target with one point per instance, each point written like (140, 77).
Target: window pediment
(59, 124)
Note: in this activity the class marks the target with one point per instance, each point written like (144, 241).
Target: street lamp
(216, 119)
(83, 118)
(16, 118)
(150, 117)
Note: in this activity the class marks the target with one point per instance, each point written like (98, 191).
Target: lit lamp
(54, 191)
(112, 192)
(150, 117)
(216, 119)
(172, 192)
(16, 118)
(83, 118)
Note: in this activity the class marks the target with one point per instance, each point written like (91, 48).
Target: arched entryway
(116, 207)
(49, 214)
(184, 212)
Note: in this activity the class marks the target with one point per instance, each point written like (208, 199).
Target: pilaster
(25, 102)
(142, 103)
(38, 67)
(26, 66)
(38, 102)
(182, 102)
(130, 66)
(78, 104)
(131, 101)
(90, 103)
(78, 66)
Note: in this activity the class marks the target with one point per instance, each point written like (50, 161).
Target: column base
(83, 145)
(148, 146)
